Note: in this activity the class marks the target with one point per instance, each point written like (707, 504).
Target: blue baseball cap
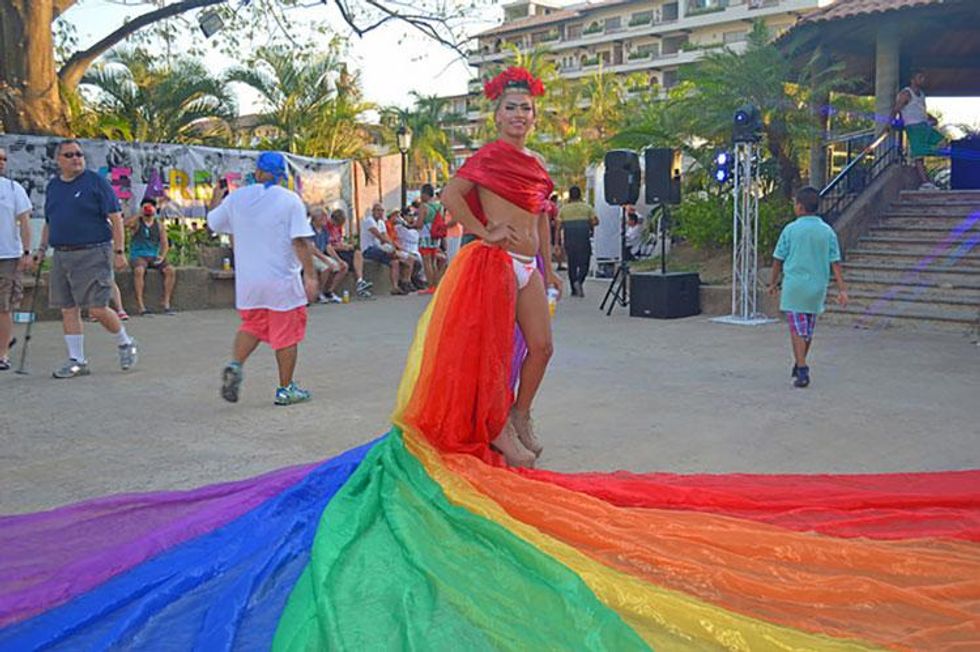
(272, 163)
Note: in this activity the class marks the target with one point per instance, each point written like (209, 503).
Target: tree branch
(61, 6)
(421, 22)
(71, 73)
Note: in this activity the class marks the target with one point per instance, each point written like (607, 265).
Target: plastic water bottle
(552, 300)
(226, 264)
(346, 297)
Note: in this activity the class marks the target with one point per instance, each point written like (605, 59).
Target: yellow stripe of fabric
(667, 620)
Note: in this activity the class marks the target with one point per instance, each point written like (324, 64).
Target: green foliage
(705, 221)
(697, 114)
(135, 96)
(431, 153)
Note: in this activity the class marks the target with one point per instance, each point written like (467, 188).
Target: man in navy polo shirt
(83, 220)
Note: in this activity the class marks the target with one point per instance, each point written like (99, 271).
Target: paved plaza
(621, 393)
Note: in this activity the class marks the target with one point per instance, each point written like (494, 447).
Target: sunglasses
(73, 155)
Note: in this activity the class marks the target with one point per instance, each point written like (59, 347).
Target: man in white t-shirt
(272, 241)
(377, 246)
(15, 253)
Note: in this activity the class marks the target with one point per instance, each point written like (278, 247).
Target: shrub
(705, 221)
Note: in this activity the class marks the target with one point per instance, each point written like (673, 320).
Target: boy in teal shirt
(805, 254)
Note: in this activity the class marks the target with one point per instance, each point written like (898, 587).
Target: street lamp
(404, 135)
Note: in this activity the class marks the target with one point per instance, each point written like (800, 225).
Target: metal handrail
(857, 159)
(856, 176)
(854, 135)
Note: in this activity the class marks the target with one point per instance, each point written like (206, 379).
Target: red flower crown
(513, 77)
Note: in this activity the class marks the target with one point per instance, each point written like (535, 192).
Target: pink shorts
(279, 329)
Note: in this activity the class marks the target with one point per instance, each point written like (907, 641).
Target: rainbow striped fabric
(407, 544)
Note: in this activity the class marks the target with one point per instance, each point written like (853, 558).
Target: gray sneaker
(231, 381)
(129, 355)
(71, 369)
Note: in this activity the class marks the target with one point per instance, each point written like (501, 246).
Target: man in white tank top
(924, 138)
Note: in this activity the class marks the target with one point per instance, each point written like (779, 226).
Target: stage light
(747, 125)
(723, 167)
(210, 22)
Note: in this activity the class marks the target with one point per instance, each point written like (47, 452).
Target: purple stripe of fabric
(46, 558)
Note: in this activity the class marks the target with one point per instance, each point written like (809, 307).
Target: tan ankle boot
(525, 432)
(508, 444)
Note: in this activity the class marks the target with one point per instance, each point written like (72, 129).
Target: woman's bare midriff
(500, 211)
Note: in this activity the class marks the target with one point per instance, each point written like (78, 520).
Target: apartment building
(653, 37)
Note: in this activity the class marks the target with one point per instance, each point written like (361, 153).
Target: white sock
(76, 347)
(122, 338)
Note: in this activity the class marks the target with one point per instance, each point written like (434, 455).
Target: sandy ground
(622, 393)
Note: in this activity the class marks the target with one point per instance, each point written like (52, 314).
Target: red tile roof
(573, 11)
(851, 8)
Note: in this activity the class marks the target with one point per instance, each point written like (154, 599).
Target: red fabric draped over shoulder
(513, 174)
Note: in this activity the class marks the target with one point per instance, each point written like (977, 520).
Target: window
(614, 24)
(641, 18)
(734, 37)
(574, 31)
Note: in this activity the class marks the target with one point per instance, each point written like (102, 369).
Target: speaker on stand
(621, 187)
(661, 294)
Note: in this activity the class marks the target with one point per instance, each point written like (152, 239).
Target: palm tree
(337, 130)
(723, 81)
(180, 103)
(295, 88)
(431, 154)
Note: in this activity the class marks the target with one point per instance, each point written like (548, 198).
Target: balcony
(590, 62)
(665, 22)
(639, 55)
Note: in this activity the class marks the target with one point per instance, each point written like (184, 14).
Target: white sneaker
(511, 448)
(333, 298)
(323, 298)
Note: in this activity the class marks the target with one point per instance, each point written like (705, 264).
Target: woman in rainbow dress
(434, 537)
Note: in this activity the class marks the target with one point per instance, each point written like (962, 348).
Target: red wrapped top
(513, 174)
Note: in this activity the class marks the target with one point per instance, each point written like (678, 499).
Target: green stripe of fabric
(396, 566)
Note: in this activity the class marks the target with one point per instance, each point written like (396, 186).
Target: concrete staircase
(917, 267)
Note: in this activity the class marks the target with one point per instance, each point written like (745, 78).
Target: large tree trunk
(27, 67)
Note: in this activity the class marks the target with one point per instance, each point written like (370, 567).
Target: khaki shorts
(81, 278)
(321, 266)
(11, 287)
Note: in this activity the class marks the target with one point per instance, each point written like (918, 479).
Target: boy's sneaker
(231, 381)
(333, 298)
(71, 369)
(291, 394)
(128, 355)
(362, 287)
(802, 377)
(4, 364)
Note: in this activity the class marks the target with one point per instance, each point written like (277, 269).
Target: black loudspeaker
(965, 155)
(662, 172)
(665, 296)
(621, 181)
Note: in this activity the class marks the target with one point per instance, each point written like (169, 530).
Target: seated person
(346, 252)
(634, 236)
(148, 250)
(330, 269)
(409, 238)
(376, 245)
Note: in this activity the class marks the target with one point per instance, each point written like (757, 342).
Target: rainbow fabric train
(423, 540)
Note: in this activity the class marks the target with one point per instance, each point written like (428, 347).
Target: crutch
(32, 317)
